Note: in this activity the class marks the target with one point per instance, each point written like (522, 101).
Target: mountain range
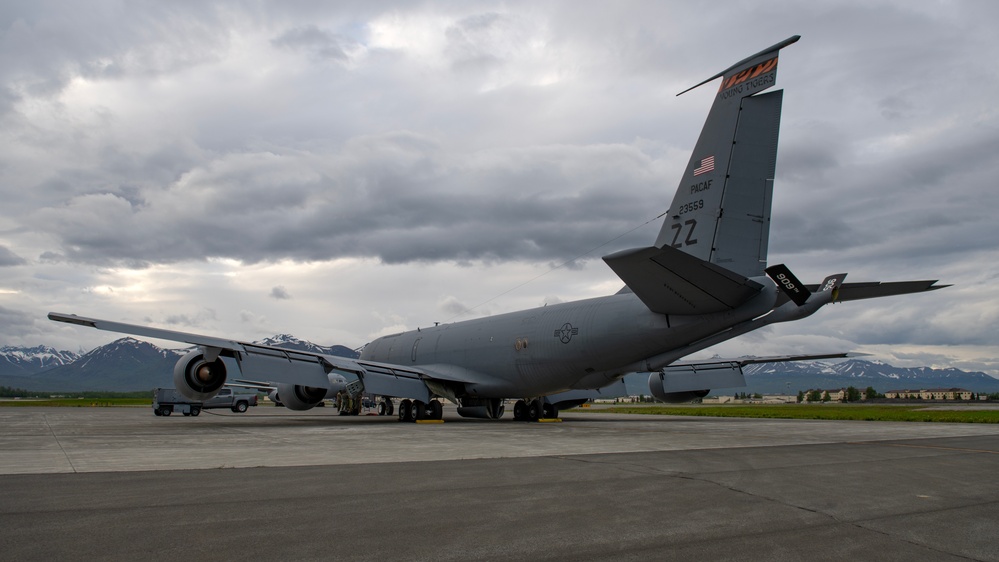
(30, 360)
(805, 375)
(128, 364)
(123, 365)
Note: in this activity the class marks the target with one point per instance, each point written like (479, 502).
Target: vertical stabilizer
(721, 210)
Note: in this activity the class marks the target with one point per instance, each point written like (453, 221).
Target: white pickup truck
(167, 401)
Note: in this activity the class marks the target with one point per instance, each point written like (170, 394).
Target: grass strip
(817, 412)
(76, 402)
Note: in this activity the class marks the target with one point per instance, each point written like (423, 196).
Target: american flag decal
(707, 165)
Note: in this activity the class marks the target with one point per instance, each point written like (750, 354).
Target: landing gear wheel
(405, 407)
(534, 410)
(520, 410)
(550, 411)
(418, 411)
(436, 410)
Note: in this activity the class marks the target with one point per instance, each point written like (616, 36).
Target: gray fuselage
(576, 345)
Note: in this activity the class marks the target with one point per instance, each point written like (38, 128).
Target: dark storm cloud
(9, 258)
(471, 41)
(317, 42)
(18, 327)
(395, 196)
(46, 44)
(15, 319)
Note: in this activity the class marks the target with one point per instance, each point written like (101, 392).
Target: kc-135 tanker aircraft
(704, 281)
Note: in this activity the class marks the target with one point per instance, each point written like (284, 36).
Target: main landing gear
(415, 410)
(385, 407)
(534, 410)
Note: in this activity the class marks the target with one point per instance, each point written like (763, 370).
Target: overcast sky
(343, 170)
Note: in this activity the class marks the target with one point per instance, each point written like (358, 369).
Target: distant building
(765, 399)
(930, 394)
(835, 394)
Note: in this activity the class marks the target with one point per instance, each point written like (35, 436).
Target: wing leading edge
(278, 365)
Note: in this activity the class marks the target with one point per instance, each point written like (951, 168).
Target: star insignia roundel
(565, 333)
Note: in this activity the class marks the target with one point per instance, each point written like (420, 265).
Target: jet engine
(197, 378)
(675, 395)
(679, 397)
(482, 408)
(297, 397)
(685, 383)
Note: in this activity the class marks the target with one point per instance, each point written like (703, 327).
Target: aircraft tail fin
(721, 210)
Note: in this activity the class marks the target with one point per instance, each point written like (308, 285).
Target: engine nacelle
(297, 397)
(198, 379)
(481, 408)
(567, 404)
(685, 383)
(681, 397)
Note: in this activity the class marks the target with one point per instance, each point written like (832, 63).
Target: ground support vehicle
(168, 400)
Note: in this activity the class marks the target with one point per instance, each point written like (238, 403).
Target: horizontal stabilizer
(858, 291)
(669, 281)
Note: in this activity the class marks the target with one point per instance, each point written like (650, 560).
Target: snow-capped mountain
(22, 361)
(126, 364)
(291, 342)
(122, 365)
(804, 375)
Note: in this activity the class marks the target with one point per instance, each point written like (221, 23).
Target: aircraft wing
(743, 361)
(278, 365)
(685, 377)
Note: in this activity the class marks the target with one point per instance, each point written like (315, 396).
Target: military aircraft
(705, 280)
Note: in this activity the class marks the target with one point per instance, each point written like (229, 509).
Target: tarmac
(122, 484)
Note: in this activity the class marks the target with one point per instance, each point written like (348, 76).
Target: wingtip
(71, 319)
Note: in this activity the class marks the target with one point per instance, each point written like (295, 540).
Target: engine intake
(197, 378)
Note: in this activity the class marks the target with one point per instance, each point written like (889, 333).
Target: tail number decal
(689, 240)
(788, 284)
(691, 207)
